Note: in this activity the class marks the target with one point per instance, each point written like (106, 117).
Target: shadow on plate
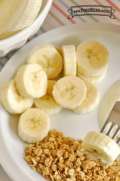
(13, 121)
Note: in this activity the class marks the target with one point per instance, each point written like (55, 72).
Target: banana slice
(107, 148)
(58, 49)
(31, 81)
(33, 125)
(47, 102)
(1, 1)
(14, 15)
(69, 56)
(48, 57)
(93, 80)
(91, 100)
(92, 58)
(12, 101)
(69, 92)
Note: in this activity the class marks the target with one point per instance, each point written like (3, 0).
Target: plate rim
(93, 27)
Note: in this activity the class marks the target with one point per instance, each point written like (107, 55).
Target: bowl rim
(17, 35)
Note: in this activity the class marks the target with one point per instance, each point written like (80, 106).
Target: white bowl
(19, 39)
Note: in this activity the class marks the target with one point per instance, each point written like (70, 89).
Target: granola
(61, 158)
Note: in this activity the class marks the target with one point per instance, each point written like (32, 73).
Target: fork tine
(110, 129)
(115, 134)
(118, 140)
(114, 118)
(104, 126)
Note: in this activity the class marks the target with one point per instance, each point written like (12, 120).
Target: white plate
(73, 125)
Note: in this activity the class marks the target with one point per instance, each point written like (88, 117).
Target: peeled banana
(69, 58)
(7, 8)
(107, 148)
(91, 100)
(92, 58)
(12, 101)
(47, 102)
(31, 81)
(110, 98)
(48, 57)
(69, 92)
(33, 125)
(15, 15)
(92, 79)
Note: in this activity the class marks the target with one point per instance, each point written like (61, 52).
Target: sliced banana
(1, 1)
(69, 57)
(57, 48)
(91, 100)
(92, 58)
(94, 79)
(12, 101)
(69, 92)
(31, 81)
(14, 15)
(47, 102)
(48, 57)
(107, 148)
(33, 125)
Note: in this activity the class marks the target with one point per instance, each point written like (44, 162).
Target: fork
(114, 118)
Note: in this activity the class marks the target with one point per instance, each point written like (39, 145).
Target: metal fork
(114, 118)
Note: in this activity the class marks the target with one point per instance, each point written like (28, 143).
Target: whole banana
(16, 15)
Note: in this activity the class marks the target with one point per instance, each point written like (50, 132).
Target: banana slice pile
(32, 85)
(92, 61)
(107, 148)
(15, 15)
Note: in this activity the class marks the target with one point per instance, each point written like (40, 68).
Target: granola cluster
(61, 158)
